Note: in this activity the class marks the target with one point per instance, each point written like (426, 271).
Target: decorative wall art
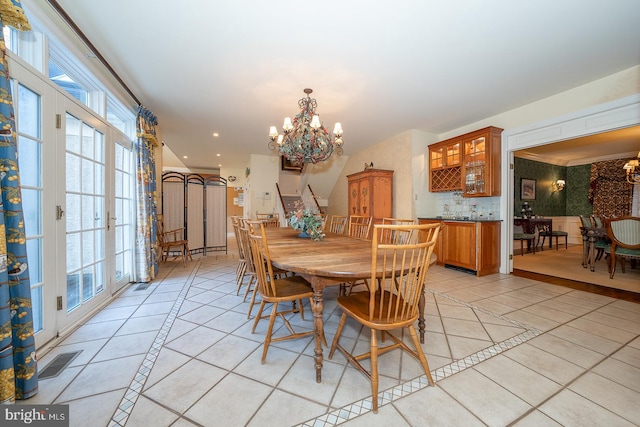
(527, 189)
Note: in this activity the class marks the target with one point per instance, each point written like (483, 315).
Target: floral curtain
(18, 370)
(609, 192)
(146, 240)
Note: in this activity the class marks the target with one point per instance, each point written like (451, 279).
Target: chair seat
(530, 237)
(625, 252)
(291, 287)
(554, 233)
(523, 236)
(357, 304)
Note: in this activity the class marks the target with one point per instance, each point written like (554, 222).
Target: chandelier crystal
(305, 139)
(632, 167)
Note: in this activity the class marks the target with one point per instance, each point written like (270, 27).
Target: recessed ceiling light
(218, 154)
(184, 157)
(216, 134)
(219, 166)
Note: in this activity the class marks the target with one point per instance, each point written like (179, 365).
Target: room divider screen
(199, 204)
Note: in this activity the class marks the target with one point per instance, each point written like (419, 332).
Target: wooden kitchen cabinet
(371, 194)
(437, 251)
(459, 244)
(445, 166)
(472, 245)
(474, 168)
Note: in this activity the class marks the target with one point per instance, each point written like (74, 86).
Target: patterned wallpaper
(571, 201)
(578, 196)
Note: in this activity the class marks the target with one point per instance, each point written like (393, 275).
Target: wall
(615, 86)
(609, 88)
(546, 202)
(264, 171)
(572, 201)
(392, 154)
(578, 192)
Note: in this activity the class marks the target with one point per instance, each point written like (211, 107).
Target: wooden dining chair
(392, 303)
(544, 232)
(359, 226)
(254, 227)
(271, 222)
(338, 224)
(242, 261)
(262, 216)
(172, 242)
(624, 233)
(396, 236)
(250, 267)
(530, 238)
(275, 291)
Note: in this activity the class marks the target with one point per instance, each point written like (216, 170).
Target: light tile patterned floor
(503, 350)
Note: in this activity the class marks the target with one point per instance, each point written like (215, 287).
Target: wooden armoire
(371, 194)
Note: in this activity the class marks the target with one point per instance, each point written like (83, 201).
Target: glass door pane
(85, 212)
(122, 215)
(27, 106)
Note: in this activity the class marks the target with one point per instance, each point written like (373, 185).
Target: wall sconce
(557, 186)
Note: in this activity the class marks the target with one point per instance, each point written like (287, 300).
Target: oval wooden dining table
(336, 259)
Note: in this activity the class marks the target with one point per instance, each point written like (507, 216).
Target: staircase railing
(286, 207)
(315, 199)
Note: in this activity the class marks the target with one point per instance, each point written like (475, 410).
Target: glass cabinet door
(437, 157)
(453, 154)
(475, 163)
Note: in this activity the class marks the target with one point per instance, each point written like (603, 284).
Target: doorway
(619, 114)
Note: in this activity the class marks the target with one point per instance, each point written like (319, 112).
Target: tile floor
(503, 350)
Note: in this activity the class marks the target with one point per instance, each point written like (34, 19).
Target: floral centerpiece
(308, 222)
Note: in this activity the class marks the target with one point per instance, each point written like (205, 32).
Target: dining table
(337, 258)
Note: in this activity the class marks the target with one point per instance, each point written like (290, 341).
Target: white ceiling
(378, 67)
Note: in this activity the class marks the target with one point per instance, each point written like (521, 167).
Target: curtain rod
(56, 6)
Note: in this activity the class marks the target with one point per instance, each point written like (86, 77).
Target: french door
(36, 161)
(84, 211)
(121, 213)
(97, 209)
(77, 187)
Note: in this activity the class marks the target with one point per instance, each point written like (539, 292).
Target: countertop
(461, 219)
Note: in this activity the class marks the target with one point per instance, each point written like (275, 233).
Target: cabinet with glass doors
(481, 163)
(445, 166)
(470, 163)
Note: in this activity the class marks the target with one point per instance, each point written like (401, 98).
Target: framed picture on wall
(288, 165)
(527, 189)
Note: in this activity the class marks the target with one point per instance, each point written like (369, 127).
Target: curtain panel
(147, 206)
(609, 192)
(18, 369)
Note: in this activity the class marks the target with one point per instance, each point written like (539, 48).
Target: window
(121, 118)
(59, 77)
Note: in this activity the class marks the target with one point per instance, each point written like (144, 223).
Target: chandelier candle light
(305, 139)
(632, 167)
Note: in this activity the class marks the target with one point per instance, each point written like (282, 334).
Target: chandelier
(305, 139)
(632, 167)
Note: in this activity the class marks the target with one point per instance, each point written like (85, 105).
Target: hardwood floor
(573, 284)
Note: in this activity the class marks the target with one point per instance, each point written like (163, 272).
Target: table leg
(319, 334)
(585, 250)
